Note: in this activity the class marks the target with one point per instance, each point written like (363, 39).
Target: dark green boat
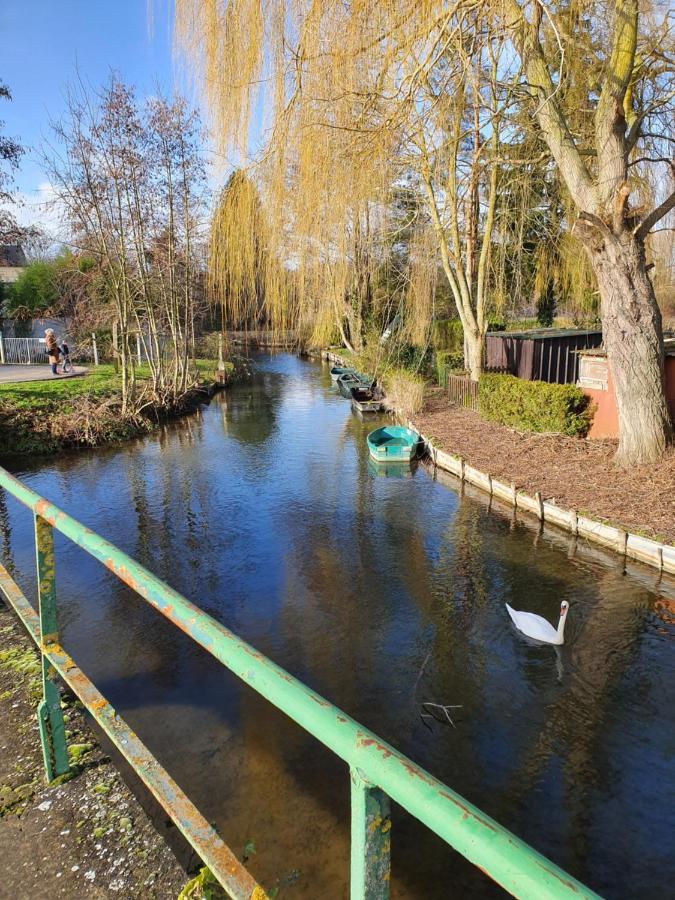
(351, 380)
(336, 371)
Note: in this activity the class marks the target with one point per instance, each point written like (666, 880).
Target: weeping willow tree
(358, 97)
(239, 244)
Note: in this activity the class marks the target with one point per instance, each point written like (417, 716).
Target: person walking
(65, 353)
(52, 350)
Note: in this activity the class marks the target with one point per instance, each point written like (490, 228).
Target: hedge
(534, 405)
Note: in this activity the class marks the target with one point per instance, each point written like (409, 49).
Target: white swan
(537, 627)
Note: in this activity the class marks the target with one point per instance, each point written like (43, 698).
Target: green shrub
(448, 334)
(447, 361)
(534, 405)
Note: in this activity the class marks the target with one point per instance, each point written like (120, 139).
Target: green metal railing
(378, 771)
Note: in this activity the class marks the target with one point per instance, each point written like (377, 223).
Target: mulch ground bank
(576, 474)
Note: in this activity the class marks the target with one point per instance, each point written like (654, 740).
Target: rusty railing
(378, 771)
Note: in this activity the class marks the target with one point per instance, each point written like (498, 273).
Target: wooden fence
(462, 391)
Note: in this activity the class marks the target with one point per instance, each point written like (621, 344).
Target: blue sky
(42, 42)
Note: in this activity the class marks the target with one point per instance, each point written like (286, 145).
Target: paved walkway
(12, 374)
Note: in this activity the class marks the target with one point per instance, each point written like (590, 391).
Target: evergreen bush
(534, 405)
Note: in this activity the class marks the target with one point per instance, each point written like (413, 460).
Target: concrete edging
(621, 541)
(661, 556)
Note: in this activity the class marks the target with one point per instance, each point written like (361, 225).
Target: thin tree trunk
(473, 353)
(633, 337)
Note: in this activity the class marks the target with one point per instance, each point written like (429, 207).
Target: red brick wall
(605, 423)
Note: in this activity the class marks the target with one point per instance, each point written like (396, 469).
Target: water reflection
(384, 594)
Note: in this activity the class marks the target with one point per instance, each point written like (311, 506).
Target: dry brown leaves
(577, 474)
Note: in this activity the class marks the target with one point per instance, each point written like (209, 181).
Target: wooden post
(623, 542)
(514, 494)
(94, 347)
(540, 503)
(461, 468)
(2, 350)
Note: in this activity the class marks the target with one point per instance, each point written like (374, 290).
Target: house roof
(12, 256)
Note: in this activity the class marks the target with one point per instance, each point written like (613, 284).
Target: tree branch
(610, 121)
(550, 115)
(646, 225)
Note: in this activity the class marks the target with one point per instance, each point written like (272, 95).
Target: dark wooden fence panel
(537, 356)
(462, 391)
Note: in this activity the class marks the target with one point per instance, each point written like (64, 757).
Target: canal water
(383, 593)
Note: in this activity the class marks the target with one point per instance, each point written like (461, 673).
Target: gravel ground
(85, 838)
(577, 474)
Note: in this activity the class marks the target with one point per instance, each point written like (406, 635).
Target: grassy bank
(47, 416)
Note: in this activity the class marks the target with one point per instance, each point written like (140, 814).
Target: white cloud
(41, 208)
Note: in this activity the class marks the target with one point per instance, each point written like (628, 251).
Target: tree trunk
(631, 326)
(473, 353)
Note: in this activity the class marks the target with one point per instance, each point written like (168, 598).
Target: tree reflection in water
(382, 593)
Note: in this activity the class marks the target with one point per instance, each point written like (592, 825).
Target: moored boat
(366, 400)
(393, 443)
(336, 371)
(351, 380)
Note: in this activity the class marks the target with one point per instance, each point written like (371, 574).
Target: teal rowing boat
(393, 443)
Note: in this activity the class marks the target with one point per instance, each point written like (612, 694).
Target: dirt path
(577, 474)
(85, 838)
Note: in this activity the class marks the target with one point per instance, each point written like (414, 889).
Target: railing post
(50, 716)
(2, 350)
(371, 840)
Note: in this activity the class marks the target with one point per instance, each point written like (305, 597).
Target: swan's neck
(561, 624)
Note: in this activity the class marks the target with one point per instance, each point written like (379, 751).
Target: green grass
(100, 382)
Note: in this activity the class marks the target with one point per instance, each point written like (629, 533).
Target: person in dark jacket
(53, 351)
(65, 353)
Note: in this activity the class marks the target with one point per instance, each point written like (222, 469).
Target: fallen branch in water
(428, 707)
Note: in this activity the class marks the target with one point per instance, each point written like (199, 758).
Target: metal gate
(22, 351)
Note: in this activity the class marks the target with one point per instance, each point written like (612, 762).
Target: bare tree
(11, 152)
(130, 180)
